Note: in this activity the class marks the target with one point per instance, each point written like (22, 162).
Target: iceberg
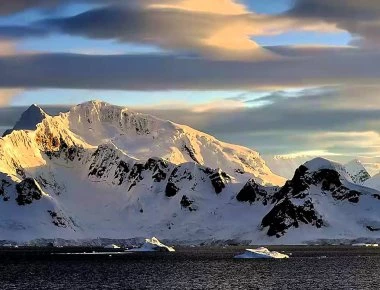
(365, 245)
(261, 253)
(112, 246)
(153, 245)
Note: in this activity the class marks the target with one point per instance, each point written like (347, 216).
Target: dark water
(196, 268)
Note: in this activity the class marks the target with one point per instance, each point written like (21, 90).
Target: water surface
(195, 268)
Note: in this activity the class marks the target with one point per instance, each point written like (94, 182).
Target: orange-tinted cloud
(6, 95)
(224, 7)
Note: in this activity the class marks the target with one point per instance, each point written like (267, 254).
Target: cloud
(360, 18)
(17, 32)
(335, 120)
(7, 48)
(210, 30)
(15, 6)
(219, 29)
(226, 7)
(6, 95)
(165, 72)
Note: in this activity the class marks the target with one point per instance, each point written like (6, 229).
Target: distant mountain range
(105, 171)
(285, 165)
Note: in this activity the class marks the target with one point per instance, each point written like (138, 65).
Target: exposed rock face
(295, 203)
(219, 179)
(4, 184)
(252, 192)
(28, 190)
(187, 203)
(59, 221)
(357, 172)
(285, 214)
(95, 172)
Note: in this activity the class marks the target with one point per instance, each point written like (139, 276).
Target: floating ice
(153, 245)
(112, 246)
(261, 253)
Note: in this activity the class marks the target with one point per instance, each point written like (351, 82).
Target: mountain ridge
(87, 174)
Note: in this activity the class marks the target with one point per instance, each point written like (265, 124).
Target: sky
(283, 76)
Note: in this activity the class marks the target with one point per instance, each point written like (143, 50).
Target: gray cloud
(170, 28)
(361, 18)
(336, 9)
(342, 120)
(15, 6)
(15, 32)
(162, 72)
(335, 121)
(9, 7)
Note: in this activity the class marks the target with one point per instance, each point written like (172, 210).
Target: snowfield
(105, 171)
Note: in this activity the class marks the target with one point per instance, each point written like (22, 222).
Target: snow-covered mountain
(357, 171)
(373, 182)
(322, 196)
(285, 165)
(29, 119)
(104, 171)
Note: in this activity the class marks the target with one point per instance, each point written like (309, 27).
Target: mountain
(320, 201)
(357, 171)
(29, 119)
(373, 182)
(285, 165)
(105, 171)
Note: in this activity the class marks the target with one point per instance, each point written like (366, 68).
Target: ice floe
(261, 253)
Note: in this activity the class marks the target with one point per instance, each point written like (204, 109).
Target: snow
(320, 163)
(261, 253)
(153, 245)
(86, 191)
(373, 182)
(357, 171)
(143, 136)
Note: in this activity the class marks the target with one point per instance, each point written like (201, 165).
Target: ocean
(313, 267)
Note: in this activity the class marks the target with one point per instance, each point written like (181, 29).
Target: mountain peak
(354, 162)
(96, 103)
(319, 163)
(29, 119)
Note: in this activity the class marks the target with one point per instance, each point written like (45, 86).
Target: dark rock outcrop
(28, 191)
(253, 192)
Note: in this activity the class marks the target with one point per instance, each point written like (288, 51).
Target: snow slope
(143, 136)
(373, 182)
(357, 171)
(103, 171)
